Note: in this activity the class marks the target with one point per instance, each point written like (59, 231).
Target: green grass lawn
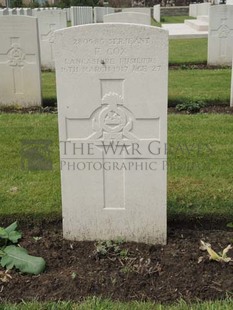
(211, 86)
(98, 304)
(200, 174)
(183, 51)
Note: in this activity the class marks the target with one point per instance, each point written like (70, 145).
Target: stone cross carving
(16, 58)
(113, 135)
(222, 32)
(49, 37)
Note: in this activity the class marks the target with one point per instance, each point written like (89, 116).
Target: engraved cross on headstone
(113, 136)
(49, 37)
(16, 58)
(222, 32)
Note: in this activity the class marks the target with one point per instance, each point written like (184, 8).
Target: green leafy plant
(218, 257)
(12, 255)
(191, 106)
(109, 248)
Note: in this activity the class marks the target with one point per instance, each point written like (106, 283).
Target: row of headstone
(99, 13)
(81, 15)
(156, 12)
(112, 102)
(128, 17)
(16, 11)
(199, 9)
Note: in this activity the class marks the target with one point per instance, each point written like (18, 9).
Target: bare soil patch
(131, 272)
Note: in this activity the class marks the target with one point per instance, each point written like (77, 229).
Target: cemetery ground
(200, 195)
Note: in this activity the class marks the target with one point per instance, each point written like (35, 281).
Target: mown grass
(188, 51)
(22, 191)
(99, 304)
(211, 86)
(200, 174)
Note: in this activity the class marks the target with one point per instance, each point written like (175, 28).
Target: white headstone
(156, 12)
(48, 21)
(12, 12)
(193, 10)
(112, 82)
(138, 10)
(27, 11)
(197, 9)
(34, 11)
(231, 100)
(220, 37)
(4, 12)
(20, 11)
(203, 8)
(81, 15)
(99, 13)
(68, 14)
(128, 17)
(20, 81)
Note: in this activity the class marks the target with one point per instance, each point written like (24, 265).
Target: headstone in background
(20, 81)
(99, 13)
(199, 9)
(128, 17)
(156, 12)
(81, 15)
(4, 12)
(68, 17)
(112, 88)
(27, 11)
(231, 100)
(220, 37)
(138, 10)
(49, 21)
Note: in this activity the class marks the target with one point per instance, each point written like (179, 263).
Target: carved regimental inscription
(112, 56)
(16, 58)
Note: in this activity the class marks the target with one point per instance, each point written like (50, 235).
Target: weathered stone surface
(128, 17)
(20, 81)
(220, 37)
(112, 82)
(49, 21)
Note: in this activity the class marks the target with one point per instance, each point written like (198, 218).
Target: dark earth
(224, 108)
(123, 271)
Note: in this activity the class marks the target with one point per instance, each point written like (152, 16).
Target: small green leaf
(18, 257)
(230, 225)
(3, 233)
(14, 236)
(11, 227)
